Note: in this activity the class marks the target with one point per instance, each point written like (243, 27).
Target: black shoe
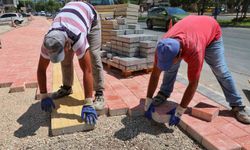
(159, 99)
(63, 91)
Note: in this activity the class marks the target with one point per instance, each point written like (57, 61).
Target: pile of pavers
(124, 44)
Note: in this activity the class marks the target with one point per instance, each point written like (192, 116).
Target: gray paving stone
(130, 61)
(130, 45)
(131, 38)
(147, 44)
(128, 68)
(147, 55)
(134, 26)
(139, 31)
(129, 31)
(130, 50)
(142, 66)
(116, 32)
(109, 55)
(147, 50)
(131, 54)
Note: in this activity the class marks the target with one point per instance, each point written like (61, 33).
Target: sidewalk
(18, 62)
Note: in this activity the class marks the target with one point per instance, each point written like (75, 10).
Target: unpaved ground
(24, 126)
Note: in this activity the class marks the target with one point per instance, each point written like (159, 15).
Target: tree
(245, 5)
(52, 6)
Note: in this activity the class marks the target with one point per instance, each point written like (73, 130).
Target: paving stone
(147, 55)
(109, 22)
(128, 68)
(139, 31)
(130, 45)
(113, 42)
(121, 27)
(205, 111)
(129, 31)
(134, 26)
(131, 54)
(121, 21)
(133, 49)
(131, 38)
(142, 66)
(120, 48)
(146, 37)
(109, 55)
(112, 63)
(117, 32)
(118, 43)
(6, 84)
(150, 65)
(33, 84)
(148, 44)
(244, 142)
(127, 14)
(105, 48)
(116, 59)
(229, 127)
(61, 123)
(220, 142)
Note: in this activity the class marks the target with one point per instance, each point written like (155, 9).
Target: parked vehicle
(103, 2)
(15, 17)
(25, 14)
(160, 16)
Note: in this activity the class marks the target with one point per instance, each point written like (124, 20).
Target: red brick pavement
(18, 63)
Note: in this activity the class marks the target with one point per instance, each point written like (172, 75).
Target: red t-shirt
(195, 34)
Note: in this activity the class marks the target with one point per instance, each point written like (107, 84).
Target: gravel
(24, 126)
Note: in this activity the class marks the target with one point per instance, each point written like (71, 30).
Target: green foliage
(52, 6)
(242, 22)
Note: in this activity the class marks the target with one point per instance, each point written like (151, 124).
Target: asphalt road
(237, 53)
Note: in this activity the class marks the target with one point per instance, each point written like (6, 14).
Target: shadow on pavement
(136, 125)
(31, 121)
(247, 93)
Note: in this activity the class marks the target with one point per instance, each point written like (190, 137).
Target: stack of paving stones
(124, 44)
(128, 11)
(130, 49)
(105, 11)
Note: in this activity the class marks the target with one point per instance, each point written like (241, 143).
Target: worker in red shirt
(193, 39)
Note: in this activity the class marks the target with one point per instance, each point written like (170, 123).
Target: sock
(99, 93)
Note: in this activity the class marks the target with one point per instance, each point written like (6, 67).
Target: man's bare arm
(189, 93)
(153, 81)
(41, 74)
(85, 64)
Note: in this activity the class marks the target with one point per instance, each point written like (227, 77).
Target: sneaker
(99, 102)
(159, 99)
(241, 114)
(63, 91)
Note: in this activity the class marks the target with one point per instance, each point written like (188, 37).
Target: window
(5, 16)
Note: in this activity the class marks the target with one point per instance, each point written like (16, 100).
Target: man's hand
(89, 114)
(149, 108)
(175, 115)
(47, 104)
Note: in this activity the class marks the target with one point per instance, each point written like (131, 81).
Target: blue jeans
(214, 56)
